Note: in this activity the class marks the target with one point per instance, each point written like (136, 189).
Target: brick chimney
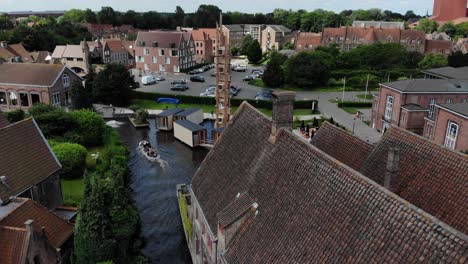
(29, 229)
(283, 111)
(393, 167)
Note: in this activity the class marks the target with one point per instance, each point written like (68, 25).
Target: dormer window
(155, 44)
(142, 43)
(66, 80)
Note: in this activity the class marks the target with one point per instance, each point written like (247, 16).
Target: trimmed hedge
(188, 99)
(354, 104)
(73, 159)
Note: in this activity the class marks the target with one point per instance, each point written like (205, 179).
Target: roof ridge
(19, 200)
(13, 228)
(16, 123)
(360, 176)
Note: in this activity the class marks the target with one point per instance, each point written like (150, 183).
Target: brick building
(406, 103)
(449, 126)
(14, 53)
(204, 41)
(444, 47)
(287, 201)
(446, 73)
(76, 57)
(161, 51)
(308, 41)
(450, 10)
(116, 52)
(24, 84)
(274, 37)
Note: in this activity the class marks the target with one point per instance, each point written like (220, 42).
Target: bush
(90, 125)
(40, 108)
(73, 159)
(15, 116)
(354, 104)
(53, 121)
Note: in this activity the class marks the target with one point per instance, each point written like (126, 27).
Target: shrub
(15, 116)
(73, 159)
(141, 115)
(90, 125)
(53, 122)
(354, 104)
(40, 108)
(361, 80)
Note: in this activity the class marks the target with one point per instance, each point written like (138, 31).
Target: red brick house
(161, 51)
(30, 233)
(204, 40)
(444, 47)
(308, 41)
(286, 201)
(449, 126)
(24, 84)
(116, 52)
(406, 103)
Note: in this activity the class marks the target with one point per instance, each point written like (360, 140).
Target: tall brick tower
(446, 10)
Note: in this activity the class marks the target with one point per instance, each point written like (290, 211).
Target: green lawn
(364, 96)
(73, 191)
(90, 161)
(290, 87)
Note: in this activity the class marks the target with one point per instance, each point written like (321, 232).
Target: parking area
(195, 88)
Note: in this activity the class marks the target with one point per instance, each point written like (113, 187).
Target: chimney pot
(283, 111)
(393, 167)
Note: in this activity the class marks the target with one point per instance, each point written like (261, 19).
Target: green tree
(427, 25)
(458, 59)
(53, 121)
(254, 52)
(5, 22)
(274, 74)
(306, 69)
(90, 16)
(462, 29)
(73, 159)
(433, 61)
(15, 115)
(449, 28)
(246, 41)
(179, 17)
(112, 85)
(234, 50)
(74, 16)
(131, 18)
(90, 126)
(207, 16)
(80, 97)
(107, 15)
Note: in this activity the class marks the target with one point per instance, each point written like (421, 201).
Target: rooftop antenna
(223, 75)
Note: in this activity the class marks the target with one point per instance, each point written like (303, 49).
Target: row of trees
(454, 31)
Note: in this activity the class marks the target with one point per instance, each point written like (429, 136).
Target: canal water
(154, 189)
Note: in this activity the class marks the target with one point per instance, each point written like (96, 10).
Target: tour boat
(145, 148)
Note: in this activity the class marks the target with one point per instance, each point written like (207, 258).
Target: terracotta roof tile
(115, 45)
(19, 50)
(341, 145)
(3, 120)
(310, 206)
(57, 230)
(163, 38)
(27, 155)
(307, 40)
(431, 177)
(12, 245)
(235, 209)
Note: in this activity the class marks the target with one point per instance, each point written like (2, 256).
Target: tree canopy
(274, 73)
(307, 69)
(254, 52)
(112, 85)
(433, 61)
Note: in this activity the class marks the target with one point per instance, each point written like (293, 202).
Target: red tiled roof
(310, 206)
(431, 177)
(163, 38)
(27, 158)
(20, 51)
(342, 146)
(38, 74)
(3, 120)
(202, 34)
(12, 245)
(115, 45)
(57, 230)
(307, 40)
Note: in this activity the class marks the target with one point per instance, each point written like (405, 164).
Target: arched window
(66, 80)
(13, 98)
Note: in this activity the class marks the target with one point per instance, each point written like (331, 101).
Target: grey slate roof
(449, 72)
(311, 206)
(413, 107)
(460, 108)
(279, 28)
(234, 27)
(170, 112)
(188, 111)
(429, 86)
(189, 125)
(235, 209)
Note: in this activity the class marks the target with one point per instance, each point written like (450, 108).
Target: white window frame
(56, 99)
(449, 100)
(140, 59)
(161, 52)
(66, 80)
(146, 51)
(432, 103)
(154, 59)
(389, 107)
(167, 60)
(451, 140)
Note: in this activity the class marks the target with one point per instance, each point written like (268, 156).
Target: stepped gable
(341, 145)
(431, 177)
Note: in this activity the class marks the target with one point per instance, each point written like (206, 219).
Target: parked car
(160, 78)
(257, 73)
(181, 81)
(192, 72)
(208, 94)
(248, 78)
(179, 87)
(240, 68)
(148, 79)
(197, 78)
(264, 94)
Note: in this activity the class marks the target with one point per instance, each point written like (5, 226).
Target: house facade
(234, 34)
(76, 57)
(205, 43)
(274, 37)
(25, 84)
(406, 103)
(161, 51)
(116, 52)
(444, 47)
(449, 127)
(308, 41)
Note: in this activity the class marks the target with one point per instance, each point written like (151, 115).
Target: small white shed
(192, 114)
(190, 133)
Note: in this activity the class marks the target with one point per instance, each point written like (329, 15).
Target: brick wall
(440, 131)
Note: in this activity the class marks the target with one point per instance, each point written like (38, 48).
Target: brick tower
(446, 10)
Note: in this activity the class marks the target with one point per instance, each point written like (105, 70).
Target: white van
(148, 79)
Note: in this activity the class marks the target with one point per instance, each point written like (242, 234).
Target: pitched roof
(3, 120)
(279, 28)
(170, 111)
(429, 86)
(57, 230)
(379, 24)
(115, 45)
(203, 34)
(58, 51)
(459, 108)
(188, 111)
(28, 157)
(414, 107)
(449, 72)
(235, 209)
(308, 40)
(431, 177)
(189, 125)
(310, 206)
(341, 145)
(20, 51)
(41, 56)
(234, 27)
(163, 38)
(37, 73)
(13, 245)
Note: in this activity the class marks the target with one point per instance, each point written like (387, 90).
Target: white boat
(145, 148)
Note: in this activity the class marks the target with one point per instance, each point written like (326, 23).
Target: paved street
(327, 108)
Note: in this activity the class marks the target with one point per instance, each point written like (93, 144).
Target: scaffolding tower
(223, 76)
